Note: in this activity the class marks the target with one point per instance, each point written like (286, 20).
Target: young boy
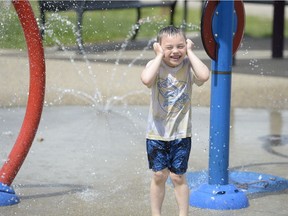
(170, 76)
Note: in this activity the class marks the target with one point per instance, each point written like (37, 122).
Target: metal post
(218, 193)
(278, 29)
(220, 95)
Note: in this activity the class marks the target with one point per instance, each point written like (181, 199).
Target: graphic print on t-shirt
(172, 96)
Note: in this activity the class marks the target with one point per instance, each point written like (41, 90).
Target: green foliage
(258, 26)
(11, 34)
(110, 25)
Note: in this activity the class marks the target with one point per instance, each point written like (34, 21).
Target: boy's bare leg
(157, 191)
(181, 193)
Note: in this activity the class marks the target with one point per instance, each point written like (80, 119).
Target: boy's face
(174, 48)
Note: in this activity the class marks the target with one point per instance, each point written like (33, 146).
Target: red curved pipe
(240, 11)
(36, 93)
(207, 36)
(209, 43)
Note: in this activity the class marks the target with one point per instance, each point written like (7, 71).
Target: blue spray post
(220, 41)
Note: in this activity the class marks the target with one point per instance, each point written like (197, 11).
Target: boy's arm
(201, 71)
(149, 74)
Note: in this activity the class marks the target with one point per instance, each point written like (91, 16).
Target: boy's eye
(178, 47)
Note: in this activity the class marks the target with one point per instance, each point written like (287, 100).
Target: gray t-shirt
(170, 106)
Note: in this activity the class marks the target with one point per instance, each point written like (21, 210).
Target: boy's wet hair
(170, 31)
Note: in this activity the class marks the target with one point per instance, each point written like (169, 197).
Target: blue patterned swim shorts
(173, 155)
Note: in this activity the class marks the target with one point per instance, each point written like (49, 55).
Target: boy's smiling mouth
(175, 58)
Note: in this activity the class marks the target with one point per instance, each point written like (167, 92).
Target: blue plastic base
(208, 196)
(7, 196)
(222, 197)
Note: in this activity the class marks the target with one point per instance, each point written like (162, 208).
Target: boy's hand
(190, 44)
(158, 49)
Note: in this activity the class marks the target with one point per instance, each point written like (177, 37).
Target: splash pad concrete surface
(89, 157)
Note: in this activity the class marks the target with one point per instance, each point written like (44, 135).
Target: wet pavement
(86, 161)
(88, 156)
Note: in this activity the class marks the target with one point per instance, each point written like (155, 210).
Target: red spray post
(34, 105)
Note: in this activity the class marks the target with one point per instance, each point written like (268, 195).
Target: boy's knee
(177, 179)
(161, 176)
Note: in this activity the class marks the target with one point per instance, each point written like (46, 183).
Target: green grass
(260, 27)
(111, 25)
